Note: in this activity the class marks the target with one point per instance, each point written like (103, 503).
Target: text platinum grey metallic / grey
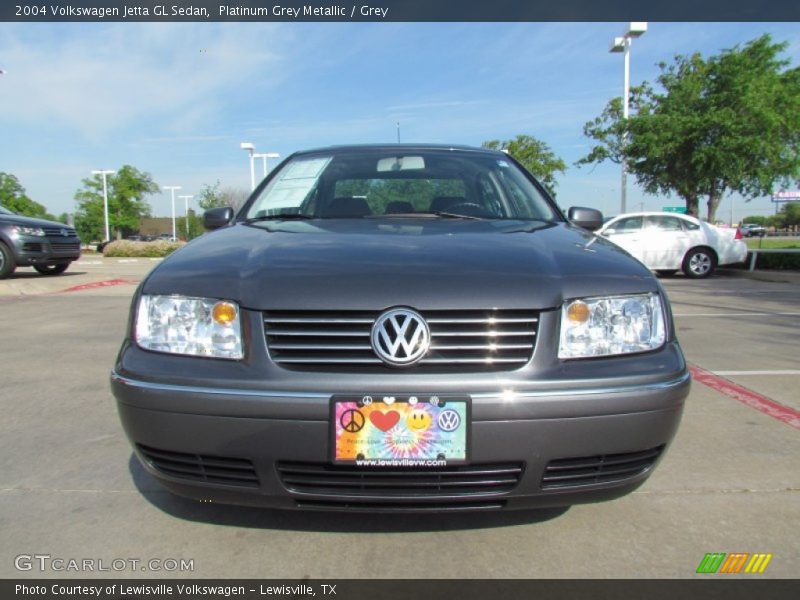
(400, 328)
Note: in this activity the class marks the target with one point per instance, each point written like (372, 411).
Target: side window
(661, 223)
(689, 226)
(627, 225)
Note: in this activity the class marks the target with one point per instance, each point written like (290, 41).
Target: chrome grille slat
(480, 334)
(488, 340)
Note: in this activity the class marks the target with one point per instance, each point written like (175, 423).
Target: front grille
(65, 246)
(56, 232)
(567, 472)
(337, 480)
(209, 469)
(490, 340)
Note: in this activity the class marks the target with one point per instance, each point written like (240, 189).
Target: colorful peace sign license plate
(400, 431)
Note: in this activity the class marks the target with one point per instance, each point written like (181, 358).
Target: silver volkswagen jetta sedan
(400, 328)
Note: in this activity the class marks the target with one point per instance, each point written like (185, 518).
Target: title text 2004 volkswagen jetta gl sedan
(400, 328)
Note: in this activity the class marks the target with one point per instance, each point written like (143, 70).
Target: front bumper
(34, 250)
(231, 445)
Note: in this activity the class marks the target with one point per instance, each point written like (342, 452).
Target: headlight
(194, 326)
(35, 231)
(612, 325)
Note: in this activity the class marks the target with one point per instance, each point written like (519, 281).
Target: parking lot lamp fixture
(251, 148)
(186, 198)
(172, 188)
(623, 44)
(264, 158)
(104, 173)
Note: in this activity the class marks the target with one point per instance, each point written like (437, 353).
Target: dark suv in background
(47, 246)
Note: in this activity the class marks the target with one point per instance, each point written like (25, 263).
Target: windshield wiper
(427, 214)
(280, 217)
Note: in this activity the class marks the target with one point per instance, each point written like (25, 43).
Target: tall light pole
(623, 44)
(250, 147)
(186, 199)
(105, 200)
(264, 158)
(172, 189)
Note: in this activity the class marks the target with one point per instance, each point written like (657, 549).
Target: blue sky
(176, 99)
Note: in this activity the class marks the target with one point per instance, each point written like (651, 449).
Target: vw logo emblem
(65, 232)
(400, 337)
(448, 420)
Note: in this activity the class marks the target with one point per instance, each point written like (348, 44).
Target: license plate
(400, 431)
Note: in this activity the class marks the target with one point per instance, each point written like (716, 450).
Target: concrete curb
(761, 275)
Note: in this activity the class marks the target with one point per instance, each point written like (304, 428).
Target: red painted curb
(748, 397)
(98, 284)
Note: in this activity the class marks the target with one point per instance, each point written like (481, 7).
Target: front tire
(699, 263)
(7, 264)
(51, 269)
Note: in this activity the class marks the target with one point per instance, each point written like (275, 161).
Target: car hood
(30, 221)
(371, 264)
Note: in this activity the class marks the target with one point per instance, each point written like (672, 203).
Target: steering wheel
(468, 209)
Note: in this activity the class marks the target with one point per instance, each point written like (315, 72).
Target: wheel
(699, 263)
(666, 272)
(7, 264)
(51, 269)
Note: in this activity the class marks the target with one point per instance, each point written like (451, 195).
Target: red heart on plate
(384, 421)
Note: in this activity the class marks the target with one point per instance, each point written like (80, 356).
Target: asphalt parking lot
(69, 487)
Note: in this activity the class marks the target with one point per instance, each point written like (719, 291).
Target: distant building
(158, 225)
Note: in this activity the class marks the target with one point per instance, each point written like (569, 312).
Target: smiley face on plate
(419, 419)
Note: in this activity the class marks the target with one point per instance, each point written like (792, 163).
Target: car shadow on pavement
(37, 275)
(333, 522)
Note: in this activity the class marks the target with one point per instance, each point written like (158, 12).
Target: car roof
(382, 148)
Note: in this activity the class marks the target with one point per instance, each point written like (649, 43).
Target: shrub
(778, 261)
(128, 248)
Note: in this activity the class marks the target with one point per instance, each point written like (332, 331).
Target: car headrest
(347, 206)
(445, 202)
(399, 206)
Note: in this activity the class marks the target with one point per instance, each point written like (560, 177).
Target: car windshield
(401, 184)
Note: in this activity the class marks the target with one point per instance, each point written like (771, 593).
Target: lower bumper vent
(210, 469)
(378, 507)
(334, 480)
(606, 468)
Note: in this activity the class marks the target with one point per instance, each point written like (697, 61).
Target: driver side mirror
(588, 218)
(215, 218)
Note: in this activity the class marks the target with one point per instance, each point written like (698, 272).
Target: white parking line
(777, 372)
(745, 314)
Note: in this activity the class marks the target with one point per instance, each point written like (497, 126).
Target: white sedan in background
(666, 242)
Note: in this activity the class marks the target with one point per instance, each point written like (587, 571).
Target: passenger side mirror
(588, 218)
(215, 218)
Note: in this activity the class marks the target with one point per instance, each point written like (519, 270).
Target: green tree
(196, 228)
(211, 196)
(535, 155)
(790, 213)
(127, 189)
(727, 123)
(14, 198)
